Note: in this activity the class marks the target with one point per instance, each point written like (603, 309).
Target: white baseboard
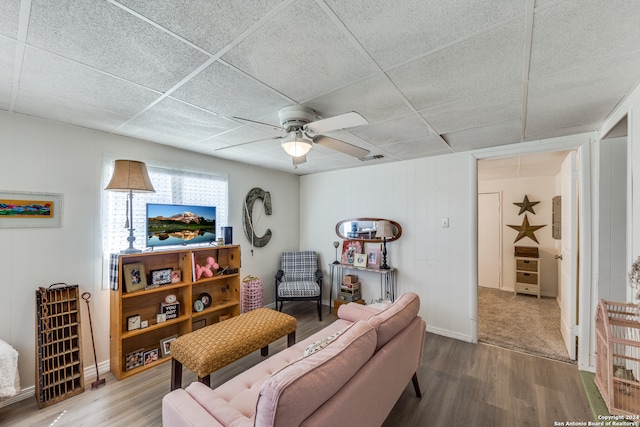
(449, 334)
(30, 392)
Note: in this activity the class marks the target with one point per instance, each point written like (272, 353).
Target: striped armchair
(299, 279)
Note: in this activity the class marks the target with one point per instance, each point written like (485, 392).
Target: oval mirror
(365, 229)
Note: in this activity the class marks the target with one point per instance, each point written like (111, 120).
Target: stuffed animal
(208, 269)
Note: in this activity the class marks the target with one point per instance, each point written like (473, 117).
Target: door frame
(582, 144)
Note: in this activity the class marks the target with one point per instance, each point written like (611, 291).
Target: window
(172, 187)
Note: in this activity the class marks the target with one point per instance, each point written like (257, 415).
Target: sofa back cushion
(292, 394)
(395, 318)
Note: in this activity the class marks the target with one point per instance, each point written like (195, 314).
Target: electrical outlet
(445, 222)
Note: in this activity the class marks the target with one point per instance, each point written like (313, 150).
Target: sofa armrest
(318, 275)
(354, 312)
(279, 275)
(180, 409)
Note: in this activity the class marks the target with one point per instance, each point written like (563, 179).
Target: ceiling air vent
(373, 157)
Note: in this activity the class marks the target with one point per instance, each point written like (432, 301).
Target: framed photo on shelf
(165, 345)
(349, 249)
(134, 359)
(176, 276)
(161, 276)
(373, 257)
(150, 356)
(135, 277)
(360, 260)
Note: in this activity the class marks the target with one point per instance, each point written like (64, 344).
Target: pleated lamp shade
(130, 175)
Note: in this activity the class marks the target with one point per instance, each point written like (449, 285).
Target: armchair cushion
(299, 266)
(298, 289)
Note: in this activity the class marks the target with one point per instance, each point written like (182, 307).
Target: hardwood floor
(462, 384)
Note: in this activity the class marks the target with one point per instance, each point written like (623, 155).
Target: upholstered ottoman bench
(212, 347)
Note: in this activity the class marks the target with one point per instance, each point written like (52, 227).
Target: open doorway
(515, 200)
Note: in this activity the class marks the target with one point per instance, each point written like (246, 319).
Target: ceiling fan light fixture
(295, 144)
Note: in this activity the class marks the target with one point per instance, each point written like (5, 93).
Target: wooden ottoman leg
(206, 380)
(176, 374)
(264, 351)
(291, 339)
(416, 385)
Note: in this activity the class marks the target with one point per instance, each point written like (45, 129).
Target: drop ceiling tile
(209, 25)
(493, 135)
(7, 59)
(375, 98)
(491, 60)
(422, 147)
(300, 53)
(399, 129)
(9, 13)
(65, 110)
(597, 81)
(228, 92)
(570, 34)
(104, 36)
(175, 123)
(583, 118)
(477, 110)
(244, 137)
(58, 77)
(394, 32)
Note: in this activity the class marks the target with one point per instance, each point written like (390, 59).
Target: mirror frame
(396, 237)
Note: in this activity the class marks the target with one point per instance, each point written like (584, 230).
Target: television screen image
(169, 225)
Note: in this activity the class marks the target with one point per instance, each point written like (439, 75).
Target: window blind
(172, 187)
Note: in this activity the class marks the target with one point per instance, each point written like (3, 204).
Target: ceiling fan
(303, 130)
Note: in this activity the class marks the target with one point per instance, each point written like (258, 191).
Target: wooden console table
(388, 284)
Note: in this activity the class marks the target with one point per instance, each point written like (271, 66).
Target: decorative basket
(251, 291)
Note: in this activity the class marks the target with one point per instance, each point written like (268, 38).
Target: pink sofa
(361, 365)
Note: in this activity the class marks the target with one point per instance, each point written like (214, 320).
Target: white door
(489, 240)
(568, 264)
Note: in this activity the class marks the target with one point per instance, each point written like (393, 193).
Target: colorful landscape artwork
(26, 208)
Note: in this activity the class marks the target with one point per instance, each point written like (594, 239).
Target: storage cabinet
(132, 351)
(527, 276)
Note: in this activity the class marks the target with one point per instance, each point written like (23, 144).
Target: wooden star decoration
(526, 230)
(526, 205)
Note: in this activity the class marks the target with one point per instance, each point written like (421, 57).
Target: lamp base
(131, 251)
(385, 267)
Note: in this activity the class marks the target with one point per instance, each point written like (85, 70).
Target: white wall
(437, 263)
(538, 189)
(40, 156)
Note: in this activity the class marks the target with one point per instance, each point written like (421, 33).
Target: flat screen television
(170, 225)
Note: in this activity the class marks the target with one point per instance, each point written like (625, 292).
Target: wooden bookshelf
(223, 288)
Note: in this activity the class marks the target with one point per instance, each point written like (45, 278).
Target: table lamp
(384, 230)
(130, 175)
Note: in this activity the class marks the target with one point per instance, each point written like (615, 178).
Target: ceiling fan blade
(246, 143)
(342, 121)
(299, 160)
(341, 146)
(278, 128)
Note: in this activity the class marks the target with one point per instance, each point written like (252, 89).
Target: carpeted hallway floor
(521, 323)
